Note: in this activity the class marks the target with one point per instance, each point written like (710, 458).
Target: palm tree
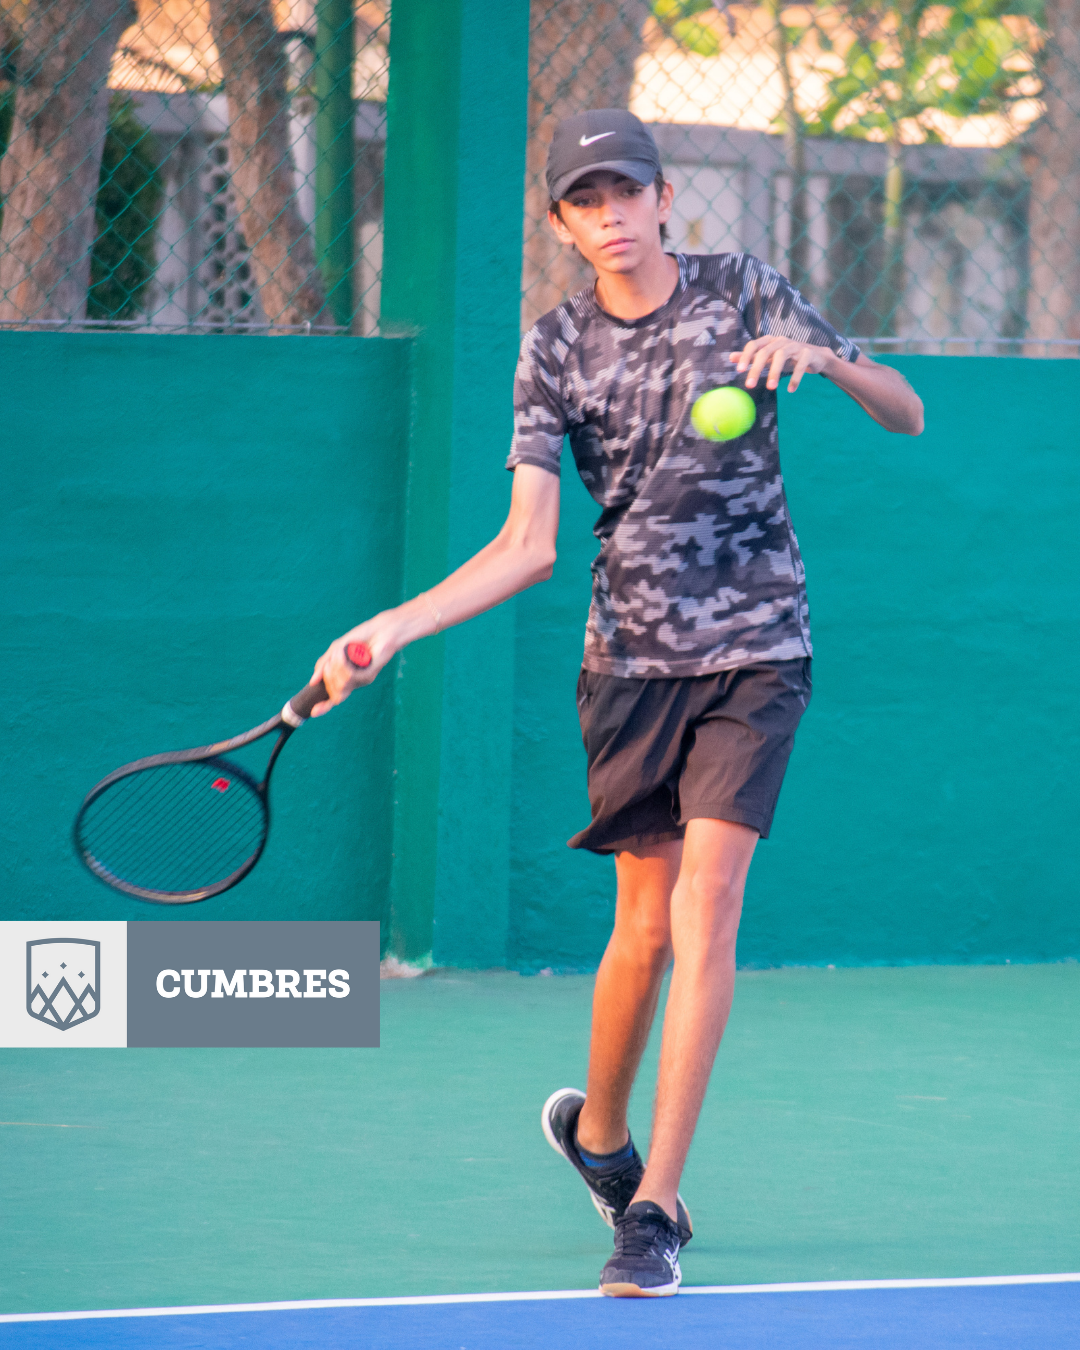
(785, 40)
(50, 173)
(254, 68)
(1054, 230)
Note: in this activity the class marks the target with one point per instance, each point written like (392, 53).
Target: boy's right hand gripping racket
(189, 824)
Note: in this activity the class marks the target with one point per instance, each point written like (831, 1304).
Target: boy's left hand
(781, 354)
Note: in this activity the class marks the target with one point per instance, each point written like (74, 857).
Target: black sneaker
(646, 1259)
(611, 1188)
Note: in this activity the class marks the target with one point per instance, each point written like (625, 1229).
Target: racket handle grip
(358, 654)
(301, 704)
(298, 709)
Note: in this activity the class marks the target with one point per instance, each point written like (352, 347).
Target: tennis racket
(183, 826)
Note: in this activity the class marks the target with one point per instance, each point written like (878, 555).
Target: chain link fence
(192, 165)
(216, 165)
(913, 168)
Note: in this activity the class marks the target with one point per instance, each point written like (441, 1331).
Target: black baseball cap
(603, 138)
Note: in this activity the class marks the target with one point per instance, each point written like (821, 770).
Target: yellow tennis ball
(722, 414)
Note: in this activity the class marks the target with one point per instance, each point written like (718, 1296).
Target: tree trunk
(254, 67)
(798, 252)
(581, 55)
(49, 175)
(1053, 309)
(335, 154)
(893, 275)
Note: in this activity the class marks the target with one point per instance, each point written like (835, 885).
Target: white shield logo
(63, 977)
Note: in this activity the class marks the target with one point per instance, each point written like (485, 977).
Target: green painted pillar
(335, 153)
(455, 171)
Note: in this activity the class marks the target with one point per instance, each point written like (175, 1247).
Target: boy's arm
(880, 390)
(521, 554)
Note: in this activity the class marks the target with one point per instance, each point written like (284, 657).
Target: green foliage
(7, 112)
(128, 204)
(676, 17)
(905, 63)
(7, 108)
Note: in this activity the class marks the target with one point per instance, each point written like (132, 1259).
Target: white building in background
(202, 276)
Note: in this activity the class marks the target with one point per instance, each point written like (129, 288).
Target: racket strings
(174, 828)
(165, 790)
(119, 826)
(176, 865)
(214, 843)
(152, 848)
(170, 840)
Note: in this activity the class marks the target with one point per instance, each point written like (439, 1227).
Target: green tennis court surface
(871, 1124)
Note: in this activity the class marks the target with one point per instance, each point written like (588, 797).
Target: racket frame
(293, 715)
(208, 754)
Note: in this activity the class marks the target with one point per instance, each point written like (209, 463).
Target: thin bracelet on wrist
(435, 614)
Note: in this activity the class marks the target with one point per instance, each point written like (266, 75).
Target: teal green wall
(451, 279)
(929, 812)
(187, 523)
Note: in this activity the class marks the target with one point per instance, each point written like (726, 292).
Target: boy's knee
(647, 940)
(711, 906)
(715, 890)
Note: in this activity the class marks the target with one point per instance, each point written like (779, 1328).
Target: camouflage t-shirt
(698, 568)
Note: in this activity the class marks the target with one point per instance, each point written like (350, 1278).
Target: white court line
(823, 1286)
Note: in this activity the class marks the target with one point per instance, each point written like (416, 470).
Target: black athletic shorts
(662, 752)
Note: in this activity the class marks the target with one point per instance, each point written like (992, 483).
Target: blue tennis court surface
(1015, 1313)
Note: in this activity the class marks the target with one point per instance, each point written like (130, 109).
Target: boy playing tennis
(697, 649)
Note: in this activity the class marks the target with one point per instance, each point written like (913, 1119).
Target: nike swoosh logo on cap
(588, 140)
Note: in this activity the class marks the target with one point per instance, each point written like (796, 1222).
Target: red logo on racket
(220, 784)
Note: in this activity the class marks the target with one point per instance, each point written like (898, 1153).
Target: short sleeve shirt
(698, 569)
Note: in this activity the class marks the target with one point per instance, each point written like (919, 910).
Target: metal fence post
(455, 168)
(335, 149)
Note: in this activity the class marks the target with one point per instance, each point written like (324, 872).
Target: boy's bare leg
(706, 905)
(627, 989)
